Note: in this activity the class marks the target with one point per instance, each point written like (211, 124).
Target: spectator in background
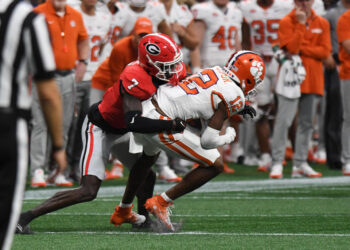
(333, 113)
(97, 23)
(70, 44)
(343, 32)
(302, 32)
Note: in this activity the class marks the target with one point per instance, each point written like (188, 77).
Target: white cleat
(276, 171)
(304, 170)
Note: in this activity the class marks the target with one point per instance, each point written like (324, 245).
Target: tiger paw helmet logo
(256, 69)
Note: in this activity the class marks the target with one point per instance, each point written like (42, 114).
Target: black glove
(178, 125)
(248, 110)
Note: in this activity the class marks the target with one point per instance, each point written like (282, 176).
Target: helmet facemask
(168, 70)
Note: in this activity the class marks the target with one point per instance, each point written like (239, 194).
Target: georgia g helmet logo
(152, 49)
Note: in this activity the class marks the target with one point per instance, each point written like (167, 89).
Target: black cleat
(23, 229)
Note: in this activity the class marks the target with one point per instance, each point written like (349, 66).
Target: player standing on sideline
(97, 24)
(24, 50)
(108, 122)
(217, 26)
(70, 43)
(260, 34)
(212, 95)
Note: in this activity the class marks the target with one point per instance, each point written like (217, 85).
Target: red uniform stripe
(90, 150)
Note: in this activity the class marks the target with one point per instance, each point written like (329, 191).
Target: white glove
(230, 135)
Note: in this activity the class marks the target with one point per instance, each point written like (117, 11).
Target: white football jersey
(318, 7)
(181, 15)
(154, 11)
(199, 95)
(98, 28)
(118, 22)
(264, 23)
(221, 29)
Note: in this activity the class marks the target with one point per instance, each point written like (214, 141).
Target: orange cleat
(289, 154)
(228, 170)
(160, 209)
(126, 215)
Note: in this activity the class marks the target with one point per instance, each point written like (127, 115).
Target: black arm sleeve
(137, 123)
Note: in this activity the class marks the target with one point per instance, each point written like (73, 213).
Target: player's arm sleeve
(211, 137)
(38, 48)
(134, 120)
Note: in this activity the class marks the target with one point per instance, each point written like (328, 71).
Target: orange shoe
(195, 165)
(289, 154)
(116, 171)
(126, 215)
(160, 209)
(228, 170)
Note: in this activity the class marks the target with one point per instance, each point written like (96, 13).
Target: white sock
(125, 205)
(165, 197)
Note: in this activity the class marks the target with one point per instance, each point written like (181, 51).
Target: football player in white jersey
(212, 95)
(260, 34)
(217, 25)
(153, 10)
(181, 23)
(97, 24)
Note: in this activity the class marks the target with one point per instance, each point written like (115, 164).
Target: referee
(25, 50)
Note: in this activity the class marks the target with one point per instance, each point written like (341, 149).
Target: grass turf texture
(268, 217)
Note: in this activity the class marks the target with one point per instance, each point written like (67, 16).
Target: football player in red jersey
(108, 123)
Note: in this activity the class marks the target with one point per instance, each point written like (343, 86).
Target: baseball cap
(143, 25)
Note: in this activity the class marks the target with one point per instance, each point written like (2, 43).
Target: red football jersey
(137, 82)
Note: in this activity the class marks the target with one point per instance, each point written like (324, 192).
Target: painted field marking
(216, 186)
(204, 233)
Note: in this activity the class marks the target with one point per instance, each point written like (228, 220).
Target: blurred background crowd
(303, 112)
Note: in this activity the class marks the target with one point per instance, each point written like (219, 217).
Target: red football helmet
(247, 69)
(160, 56)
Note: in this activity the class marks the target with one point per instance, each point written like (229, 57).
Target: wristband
(84, 61)
(57, 148)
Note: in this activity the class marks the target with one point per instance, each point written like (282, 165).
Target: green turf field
(245, 210)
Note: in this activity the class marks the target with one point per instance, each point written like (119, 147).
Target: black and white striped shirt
(25, 49)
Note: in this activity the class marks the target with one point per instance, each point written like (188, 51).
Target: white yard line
(205, 233)
(206, 215)
(118, 198)
(218, 186)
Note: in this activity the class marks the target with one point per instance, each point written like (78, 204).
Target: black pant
(333, 119)
(12, 179)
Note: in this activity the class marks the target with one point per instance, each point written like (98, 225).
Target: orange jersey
(109, 71)
(312, 42)
(343, 32)
(65, 32)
